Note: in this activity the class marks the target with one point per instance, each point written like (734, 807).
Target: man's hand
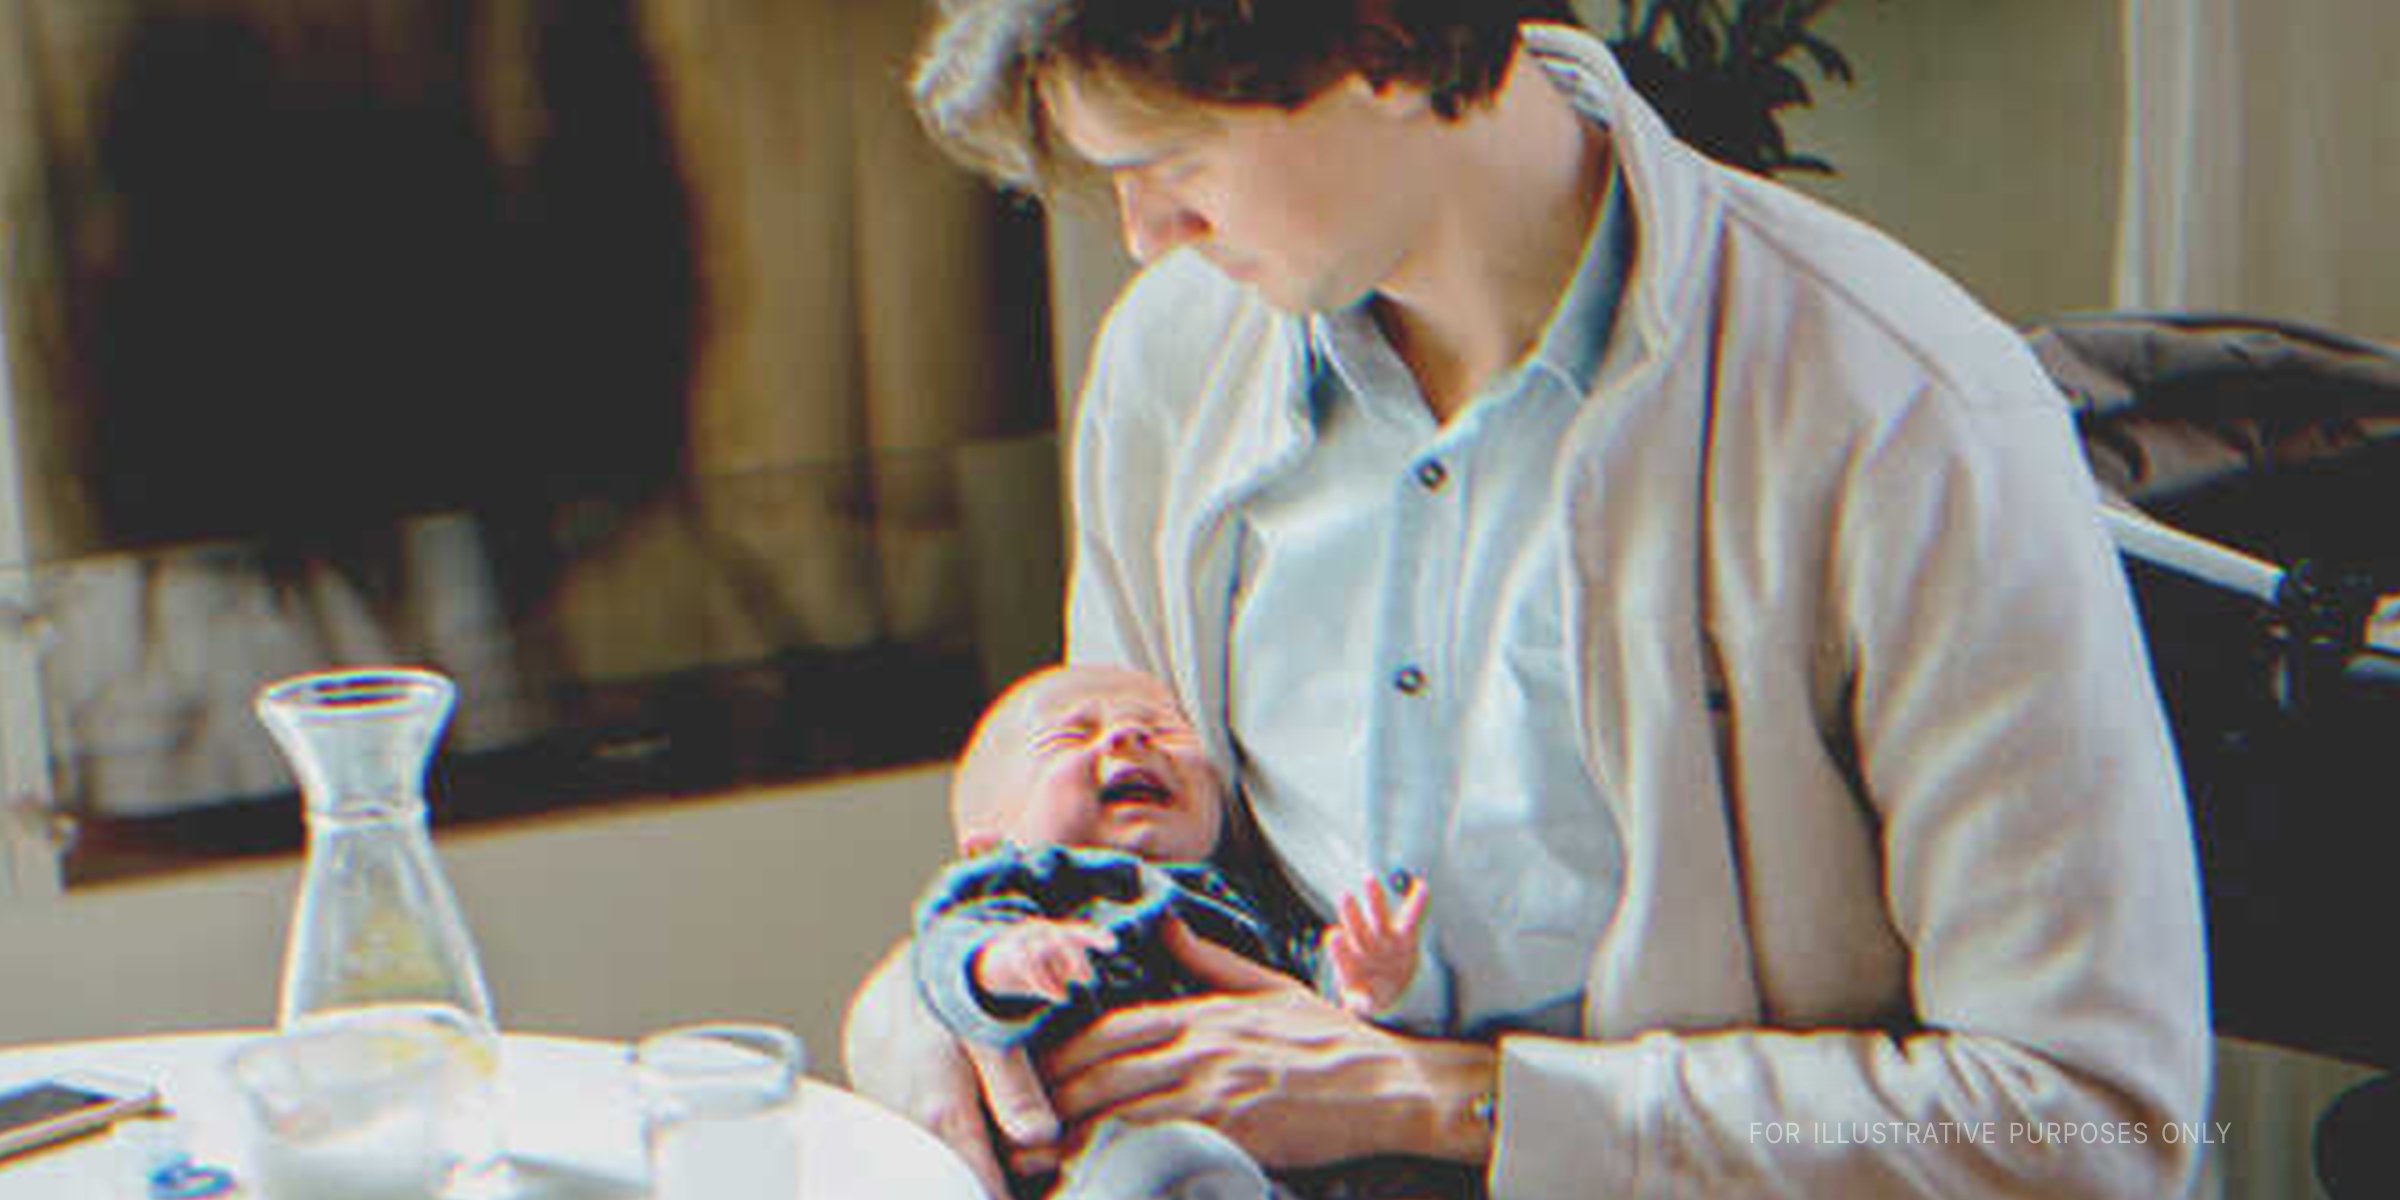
(899, 1055)
(1295, 1080)
(1373, 949)
(1040, 959)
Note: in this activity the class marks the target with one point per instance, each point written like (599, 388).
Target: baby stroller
(2252, 471)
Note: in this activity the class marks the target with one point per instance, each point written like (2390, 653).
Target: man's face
(1108, 760)
(1313, 208)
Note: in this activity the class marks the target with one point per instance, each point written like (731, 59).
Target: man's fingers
(1079, 1098)
(1014, 1094)
(964, 1133)
(1035, 1160)
(897, 1053)
(1124, 1031)
(1217, 967)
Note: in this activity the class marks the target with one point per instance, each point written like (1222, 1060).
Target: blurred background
(634, 361)
(638, 363)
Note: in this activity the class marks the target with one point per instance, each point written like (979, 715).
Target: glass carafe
(376, 937)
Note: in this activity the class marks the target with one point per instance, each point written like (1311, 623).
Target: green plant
(1719, 73)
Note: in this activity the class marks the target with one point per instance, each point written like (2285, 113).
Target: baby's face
(1109, 760)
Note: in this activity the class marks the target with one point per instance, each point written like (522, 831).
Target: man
(1702, 594)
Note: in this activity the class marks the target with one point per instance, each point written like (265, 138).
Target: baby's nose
(1124, 739)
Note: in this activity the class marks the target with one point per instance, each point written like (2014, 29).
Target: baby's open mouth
(1134, 785)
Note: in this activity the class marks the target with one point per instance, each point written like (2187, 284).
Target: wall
(769, 905)
(1984, 135)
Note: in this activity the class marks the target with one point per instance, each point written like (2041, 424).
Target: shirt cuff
(1575, 1118)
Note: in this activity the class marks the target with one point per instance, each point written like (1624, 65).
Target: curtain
(655, 340)
(2262, 161)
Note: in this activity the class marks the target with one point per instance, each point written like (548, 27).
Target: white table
(570, 1120)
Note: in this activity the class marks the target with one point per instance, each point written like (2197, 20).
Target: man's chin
(1264, 286)
(1247, 275)
(1307, 301)
(1290, 304)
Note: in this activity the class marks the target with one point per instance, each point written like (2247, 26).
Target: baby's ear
(975, 844)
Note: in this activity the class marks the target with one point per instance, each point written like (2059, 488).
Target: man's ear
(975, 844)
(1392, 96)
(1380, 56)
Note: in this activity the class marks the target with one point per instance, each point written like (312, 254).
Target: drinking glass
(716, 1111)
(345, 1113)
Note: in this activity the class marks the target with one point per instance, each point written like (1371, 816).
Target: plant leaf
(1830, 61)
(1717, 74)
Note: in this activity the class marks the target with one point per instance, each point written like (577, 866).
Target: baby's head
(1088, 756)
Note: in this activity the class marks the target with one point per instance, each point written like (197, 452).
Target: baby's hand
(1040, 960)
(1374, 951)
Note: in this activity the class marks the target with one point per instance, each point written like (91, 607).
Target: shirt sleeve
(2035, 860)
(1114, 609)
(958, 916)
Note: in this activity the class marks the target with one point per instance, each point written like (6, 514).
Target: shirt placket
(1416, 701)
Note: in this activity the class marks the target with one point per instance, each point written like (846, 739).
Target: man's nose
(1154, 223)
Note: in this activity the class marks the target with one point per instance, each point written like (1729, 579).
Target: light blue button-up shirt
(1398, 692)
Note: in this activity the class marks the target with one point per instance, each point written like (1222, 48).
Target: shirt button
(1409, 680)
(1431, 473)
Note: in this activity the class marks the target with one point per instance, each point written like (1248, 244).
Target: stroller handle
(2154, 541)
(2335, 624)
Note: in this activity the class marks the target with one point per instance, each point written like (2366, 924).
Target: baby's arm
(1039, 959)
(1373, 950)
(986, 902)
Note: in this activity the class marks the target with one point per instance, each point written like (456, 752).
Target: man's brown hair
(975, 84)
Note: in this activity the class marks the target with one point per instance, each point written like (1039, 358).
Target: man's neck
(1474, 294)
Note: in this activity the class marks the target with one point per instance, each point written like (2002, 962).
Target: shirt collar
(1574, 341)
(1363, 365)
